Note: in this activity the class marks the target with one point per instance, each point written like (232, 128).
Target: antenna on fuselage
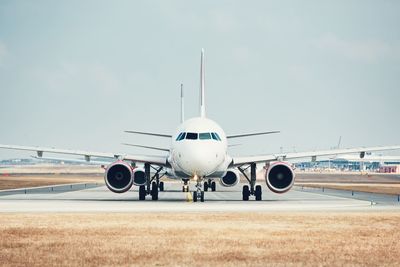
(182, 105)
(202, 105)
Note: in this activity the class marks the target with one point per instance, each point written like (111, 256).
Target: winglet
(202, 100)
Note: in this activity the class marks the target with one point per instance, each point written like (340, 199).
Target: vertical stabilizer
(182, 105)
(202, 104)
(339, 143)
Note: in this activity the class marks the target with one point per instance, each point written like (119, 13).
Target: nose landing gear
(185, 187)
(198, 194)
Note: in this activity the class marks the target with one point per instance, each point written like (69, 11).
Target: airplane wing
(237, 161)
(70, 160)
(157, 160)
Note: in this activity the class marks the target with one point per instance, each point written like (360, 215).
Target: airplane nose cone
(201, 162)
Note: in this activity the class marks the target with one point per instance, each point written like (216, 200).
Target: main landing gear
(251, 189)
(210, 184)
(153, 184)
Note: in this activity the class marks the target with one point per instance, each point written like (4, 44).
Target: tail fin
(182, 105)
(202, 100)
(339, 143)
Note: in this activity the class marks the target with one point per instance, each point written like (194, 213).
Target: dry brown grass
(393, 189)
(21, 181)
(200, 239)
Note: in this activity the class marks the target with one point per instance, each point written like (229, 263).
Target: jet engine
(231, 178)
(279, 177)
(118, 177)
(139, 177)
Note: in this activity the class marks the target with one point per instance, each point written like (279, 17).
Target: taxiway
(97, 198)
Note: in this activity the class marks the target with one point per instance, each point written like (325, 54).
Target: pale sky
(75, 74)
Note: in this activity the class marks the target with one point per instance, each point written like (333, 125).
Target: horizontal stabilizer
(233, 145)
(152, 134)
(251, 134)
(149, 147)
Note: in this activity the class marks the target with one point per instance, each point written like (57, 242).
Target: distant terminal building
(338, 164)
(350, 165)
(389, 169)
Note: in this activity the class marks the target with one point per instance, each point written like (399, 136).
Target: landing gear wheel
(202, 196)
(245, 192)
(194, 196)
(161, 186)
(154, 191)
(205, 186)
(258, 193)
(213, 186)
(142, 192)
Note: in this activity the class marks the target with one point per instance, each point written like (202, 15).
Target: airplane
(199, 154)
(368, 157)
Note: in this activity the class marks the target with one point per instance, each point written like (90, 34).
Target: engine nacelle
(139, 177)
(118, 177)
(279, 177)
(231, 178)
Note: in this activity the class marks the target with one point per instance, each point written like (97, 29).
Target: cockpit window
(182, 136)
(178, 137)
(215, 136)
(204, 136)
(191, 136)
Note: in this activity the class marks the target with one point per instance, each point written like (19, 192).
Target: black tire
(213, 186)
(258, 193)
(142, 192)
(154, 191)
(202, 196)
(194, 196)
(245, 192)
(161, 186)
(205, 186)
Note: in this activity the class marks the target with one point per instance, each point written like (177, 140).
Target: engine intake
(118, 177)
(139, 177)
(231, 178)
(279, 177)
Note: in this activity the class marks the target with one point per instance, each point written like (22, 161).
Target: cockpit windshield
(215, 136)
(198, 136)
(192, 136)
(204, 136)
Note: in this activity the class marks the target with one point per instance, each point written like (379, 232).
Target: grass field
(201, 239)
(21, 181)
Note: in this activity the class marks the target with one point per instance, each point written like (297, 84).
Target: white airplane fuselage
(201, 152)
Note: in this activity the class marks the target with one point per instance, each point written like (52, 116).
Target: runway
(100, 199)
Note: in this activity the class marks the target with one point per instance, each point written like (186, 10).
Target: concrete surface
(100, 199)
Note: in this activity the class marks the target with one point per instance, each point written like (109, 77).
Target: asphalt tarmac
(97, 198)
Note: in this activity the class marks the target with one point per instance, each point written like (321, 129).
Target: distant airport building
(349, 165)
(389, 169)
